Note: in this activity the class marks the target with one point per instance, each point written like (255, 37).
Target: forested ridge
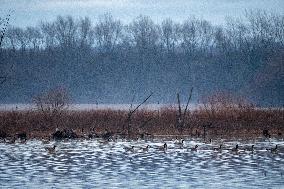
(108, 61)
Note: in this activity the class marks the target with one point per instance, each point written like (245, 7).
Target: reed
(237, 122)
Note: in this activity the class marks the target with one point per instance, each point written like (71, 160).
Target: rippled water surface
(94, 163)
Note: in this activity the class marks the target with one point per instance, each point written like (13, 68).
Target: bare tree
(108, 33)
(52, 102)
(169, 35)
(21, 38)
(189, 30)
(48, 31)
(86, 33)
(144, 33)
(4, 23)
(66, 31)
(34, 37)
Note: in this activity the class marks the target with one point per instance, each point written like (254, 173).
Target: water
(93, 163)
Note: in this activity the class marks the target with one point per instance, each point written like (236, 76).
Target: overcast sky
(30, 12)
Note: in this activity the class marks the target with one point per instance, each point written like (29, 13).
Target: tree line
(244, 55)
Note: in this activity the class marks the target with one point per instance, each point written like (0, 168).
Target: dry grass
(247, 122)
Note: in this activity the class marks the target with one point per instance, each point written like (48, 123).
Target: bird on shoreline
(50, 149)
(11, 141)
(195, 148)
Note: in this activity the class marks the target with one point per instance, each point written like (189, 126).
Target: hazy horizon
(31, 12)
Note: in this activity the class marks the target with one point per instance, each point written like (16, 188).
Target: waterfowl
(51, 149)
(11, 141)
(251, 149)
(195, 148)
(45, 141)
(23, 141)
(236, 149)
(164, 147)
(273, 150)
(180, 143)
(105, 141)
(129, 149)
(146, 148)
(209, 142)
(218, 149)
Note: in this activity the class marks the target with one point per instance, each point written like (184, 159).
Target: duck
(236, 149)
(146, 148)
(273, 150)
(218, 148)
(51, 149)
(129, 149)
(195, 148)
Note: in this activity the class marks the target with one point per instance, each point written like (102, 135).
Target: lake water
(95, 164)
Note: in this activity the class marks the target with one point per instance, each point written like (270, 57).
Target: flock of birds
(164, 147)
(195, 148)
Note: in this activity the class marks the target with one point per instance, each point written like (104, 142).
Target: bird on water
(50, 149)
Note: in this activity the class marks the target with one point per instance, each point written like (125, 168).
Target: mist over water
(85, 107)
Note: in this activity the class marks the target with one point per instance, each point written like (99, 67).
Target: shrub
(53, 101)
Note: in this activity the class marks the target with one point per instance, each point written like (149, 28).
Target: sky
(31, 12)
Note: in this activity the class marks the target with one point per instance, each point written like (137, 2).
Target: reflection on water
(93, 163)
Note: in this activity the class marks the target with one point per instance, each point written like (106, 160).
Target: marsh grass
(248, 122)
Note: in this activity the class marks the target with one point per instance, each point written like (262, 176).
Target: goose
(129, 149)
(45, 141)
(105, 141)
(273, 150)
(180, 143)
(251, 149)
(218, 148)
(164, 147)
(51, 149)
(195, 148)
(24, 141)
(236, 149)
(146, 148)
(209, 142)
